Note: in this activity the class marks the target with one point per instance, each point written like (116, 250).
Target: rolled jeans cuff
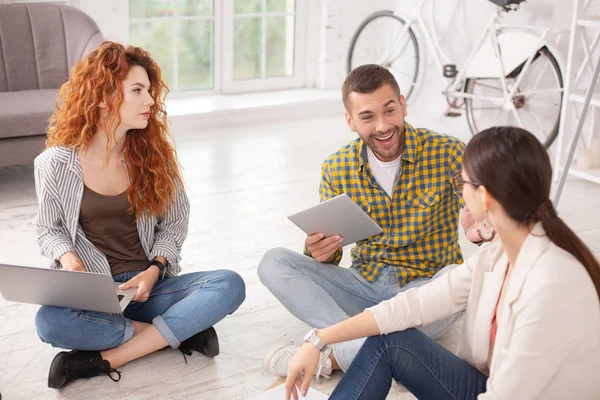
(339, 358)
(129, 331)
(166, 332)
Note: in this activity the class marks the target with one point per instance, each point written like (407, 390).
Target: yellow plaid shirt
(419, 222)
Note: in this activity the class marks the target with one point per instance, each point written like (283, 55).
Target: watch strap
(162, 267)
(315, 340)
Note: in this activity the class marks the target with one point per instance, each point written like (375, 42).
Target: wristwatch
(311, 337)
(162, 267)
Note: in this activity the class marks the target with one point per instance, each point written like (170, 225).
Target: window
(263, 44)
(180, 36)
(222, 45)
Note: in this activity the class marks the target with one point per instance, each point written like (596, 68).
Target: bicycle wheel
(538, 99)
(378, 41)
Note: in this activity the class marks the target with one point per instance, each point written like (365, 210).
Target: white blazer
(548, 336)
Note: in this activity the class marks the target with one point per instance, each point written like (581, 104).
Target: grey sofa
(39, 43)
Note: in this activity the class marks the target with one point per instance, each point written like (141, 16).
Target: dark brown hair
(515, 169)
(366, 79)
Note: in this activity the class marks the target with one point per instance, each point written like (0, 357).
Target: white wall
(112, 17)
(33, 1)
(458, 22)
(333, 23)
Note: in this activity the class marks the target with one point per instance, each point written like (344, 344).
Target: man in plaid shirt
(403, 177)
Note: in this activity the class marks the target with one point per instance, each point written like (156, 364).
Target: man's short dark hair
(366, 79)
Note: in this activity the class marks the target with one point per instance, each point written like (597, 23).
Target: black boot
(205, 342)
(68, 366)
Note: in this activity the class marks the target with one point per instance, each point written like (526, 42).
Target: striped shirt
(420, 220)
(59, 189)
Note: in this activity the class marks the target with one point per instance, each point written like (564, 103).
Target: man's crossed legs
(322, 295)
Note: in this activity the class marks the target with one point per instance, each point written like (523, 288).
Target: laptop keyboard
(120, 297)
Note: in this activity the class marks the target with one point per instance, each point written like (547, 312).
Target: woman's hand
(470, 226)
(304, 361)
(144, 281)
(70, 262)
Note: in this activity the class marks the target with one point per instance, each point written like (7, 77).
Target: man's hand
(323, 249)
(470, 226)
(71, 262)
(144, 281)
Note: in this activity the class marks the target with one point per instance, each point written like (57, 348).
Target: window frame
(297, 80)
(215, 59)
(223, 53)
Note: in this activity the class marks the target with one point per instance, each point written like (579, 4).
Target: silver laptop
(69, 289)
(339, 215)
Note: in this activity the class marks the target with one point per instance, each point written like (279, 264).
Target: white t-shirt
(384, 172)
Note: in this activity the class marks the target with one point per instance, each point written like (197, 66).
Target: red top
(493, 330)
(494, 326)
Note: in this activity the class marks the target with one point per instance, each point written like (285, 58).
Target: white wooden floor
(242, 182)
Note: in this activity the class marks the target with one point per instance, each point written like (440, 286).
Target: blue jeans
(424, 367)
(322, 295)
(179, 307)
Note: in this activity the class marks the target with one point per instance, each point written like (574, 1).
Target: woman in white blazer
(112, 201)
(532, 323)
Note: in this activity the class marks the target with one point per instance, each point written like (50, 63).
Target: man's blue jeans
(424, 367)
(322, 295)
(179, 307)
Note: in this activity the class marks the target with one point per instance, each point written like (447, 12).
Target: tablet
(339, 215)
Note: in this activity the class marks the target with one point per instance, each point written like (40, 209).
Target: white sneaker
(277, 358)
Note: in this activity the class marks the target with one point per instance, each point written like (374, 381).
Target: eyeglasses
(459, 183)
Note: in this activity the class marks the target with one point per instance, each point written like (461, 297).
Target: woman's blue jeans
(178, 306)
(424, 367)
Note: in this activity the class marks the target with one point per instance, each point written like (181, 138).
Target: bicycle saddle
(507, 4)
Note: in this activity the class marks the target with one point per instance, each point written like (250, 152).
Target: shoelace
(185, 352)
(322, 362)
(85, 364)
(113, 370)
(319, 373)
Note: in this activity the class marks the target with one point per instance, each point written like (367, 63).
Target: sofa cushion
(40, 43)
(26, 113)
(23, 150)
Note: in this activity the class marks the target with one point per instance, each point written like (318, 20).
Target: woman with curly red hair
(112, 201)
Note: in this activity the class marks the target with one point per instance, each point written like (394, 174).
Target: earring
(485, 230)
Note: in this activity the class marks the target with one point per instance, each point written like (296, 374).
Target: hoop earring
(485, 230)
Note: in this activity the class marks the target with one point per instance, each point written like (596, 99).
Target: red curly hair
(150, 156)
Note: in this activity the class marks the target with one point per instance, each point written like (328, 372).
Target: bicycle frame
(431, 40)
(530, 39)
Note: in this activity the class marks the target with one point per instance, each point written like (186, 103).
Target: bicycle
(499, 81)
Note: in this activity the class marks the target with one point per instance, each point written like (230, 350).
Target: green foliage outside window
(184, 48)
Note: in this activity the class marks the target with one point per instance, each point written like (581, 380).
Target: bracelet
(162, 267)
